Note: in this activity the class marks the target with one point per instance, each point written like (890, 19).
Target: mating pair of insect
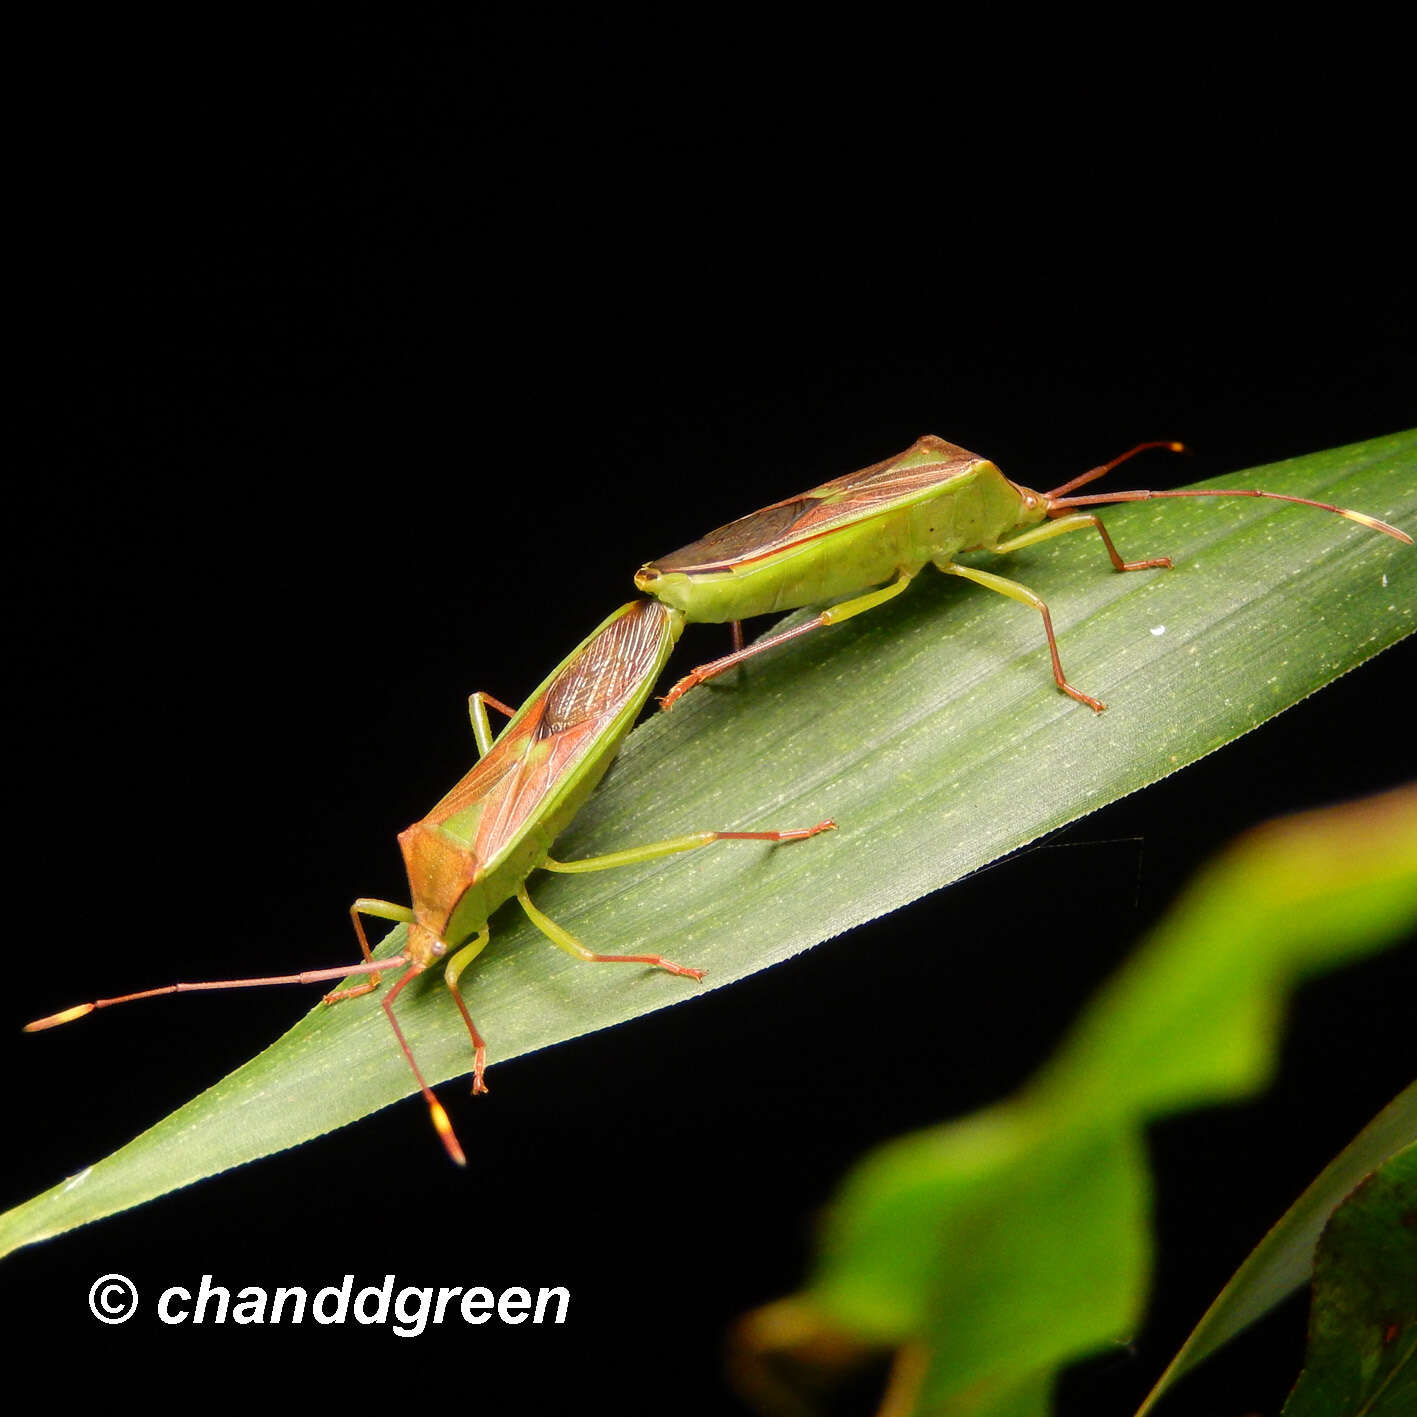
(856, 541)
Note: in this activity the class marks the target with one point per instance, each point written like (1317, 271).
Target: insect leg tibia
(441, 1124)
(451, 974)
(481, 727)
(564, 940)
(1077, 521)
(1024, 596)
(653, 850)
(834, 615)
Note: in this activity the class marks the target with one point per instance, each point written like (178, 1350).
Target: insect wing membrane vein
(855, 497)
(603, 677)
(565, 722)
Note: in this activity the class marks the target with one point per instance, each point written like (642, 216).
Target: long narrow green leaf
(912, 727)
(1362, 1358)
(1284, 1259)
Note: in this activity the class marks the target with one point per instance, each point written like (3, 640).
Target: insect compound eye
(439, 949)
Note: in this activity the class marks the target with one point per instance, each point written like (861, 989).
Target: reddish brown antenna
(1094, 473)
(1057, 503)
(441, 1123)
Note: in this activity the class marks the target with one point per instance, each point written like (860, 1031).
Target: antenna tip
(54, 1020)
(1178, 447)
(445, 1130)
(1363, 519)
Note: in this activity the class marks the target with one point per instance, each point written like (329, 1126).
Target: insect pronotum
(875, 529)
(477, 847)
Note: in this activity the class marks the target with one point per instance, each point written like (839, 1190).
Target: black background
(357, 391)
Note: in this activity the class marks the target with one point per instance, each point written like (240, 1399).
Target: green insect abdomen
(813, 570)
(818, 570)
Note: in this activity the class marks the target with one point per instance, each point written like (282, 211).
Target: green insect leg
(441, 1124)
(655, 849)
(564, 940)
(379, 909)
(832, 616)
(1024, 596)
(481, 727)
(650, 852)
(451, 975)
(1079, 521)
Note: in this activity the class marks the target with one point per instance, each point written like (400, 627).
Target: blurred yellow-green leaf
(1007, 1243)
